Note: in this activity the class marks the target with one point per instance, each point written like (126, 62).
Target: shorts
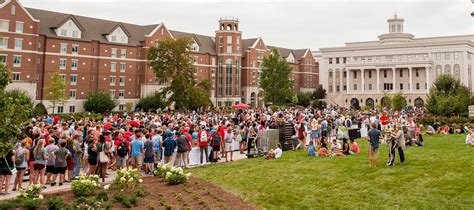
(20, 168)
(121, 161)
(5, 172)
(50, 169)
(150, 159)
(70, 165)
(136, 160)
(60, 170)
(216, 148)
(314, 134)
(38, 167)
(92, 162)
(228, 147)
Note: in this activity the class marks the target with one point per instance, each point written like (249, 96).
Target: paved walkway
(112, 174)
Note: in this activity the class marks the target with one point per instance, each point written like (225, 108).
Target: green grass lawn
(439, 175)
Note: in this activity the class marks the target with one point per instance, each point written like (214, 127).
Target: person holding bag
(104, 159)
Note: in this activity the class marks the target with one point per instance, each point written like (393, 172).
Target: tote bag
(103, 157)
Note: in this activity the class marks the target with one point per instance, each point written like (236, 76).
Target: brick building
(95, 54)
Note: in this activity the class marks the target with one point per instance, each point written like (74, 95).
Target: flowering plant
(127, 178)
(176, 176)
(32, 192)
(161, 169)
(85, 185)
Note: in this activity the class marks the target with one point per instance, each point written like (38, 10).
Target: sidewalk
(112, 174)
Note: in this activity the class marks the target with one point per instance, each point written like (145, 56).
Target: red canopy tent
(240, 106)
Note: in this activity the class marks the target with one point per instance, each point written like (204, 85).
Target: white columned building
(397, 62)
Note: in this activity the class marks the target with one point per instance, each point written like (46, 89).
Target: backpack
(122, 149)
(203, 137)
(19, 159)
(216, 140)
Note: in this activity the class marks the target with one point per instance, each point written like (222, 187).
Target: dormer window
(63, 32)
(69, 29)
(118, 35)
(195, 47)
(114, 39)
(75, 34)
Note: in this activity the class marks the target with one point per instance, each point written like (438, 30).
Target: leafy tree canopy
(100, 102)
(275, 81)
(448, 96)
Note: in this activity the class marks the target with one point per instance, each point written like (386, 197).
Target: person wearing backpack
(123, 149)
(216, 145)
(203, 143)
(21, 155)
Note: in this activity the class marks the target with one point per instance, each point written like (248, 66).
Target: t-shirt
(60, 160)
(157, 143)
(311, 151)
(51, 149)
(169, 144)
(278, 153)
(228, 137)
(182, 144)
(39, 158)
(355, 148)
(137, 146)
(149, 150)
(374, 136)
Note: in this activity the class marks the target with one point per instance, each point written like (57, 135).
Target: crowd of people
(54, 151)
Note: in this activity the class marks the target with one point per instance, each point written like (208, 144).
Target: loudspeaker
(354, 133)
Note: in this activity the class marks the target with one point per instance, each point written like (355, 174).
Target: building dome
(395, 32)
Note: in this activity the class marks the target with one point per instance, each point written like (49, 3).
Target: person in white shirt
(469, 140)
(278, 151)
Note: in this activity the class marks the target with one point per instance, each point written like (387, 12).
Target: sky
(295, 24)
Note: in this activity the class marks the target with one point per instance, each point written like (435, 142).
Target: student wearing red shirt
(222, 130)
(203, 143)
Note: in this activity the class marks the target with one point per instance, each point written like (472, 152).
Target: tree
(100, 102)
(153, 102)
(40, 110)
(386, 101)
(319, 93)
(448, 96)
(200, 95)
(15, 109)
(171, 60)
(398, 101)
(55, 90)
(275, 81)
(304, 99)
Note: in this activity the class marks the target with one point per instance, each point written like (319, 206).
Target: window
(401, 86)
(330, 88)
(337, 60)
(229, 39)
(114, 38)
(417, 86)
(221, 50)
(72, 109)
(337, 88)
(16, 76)
(330, 74)
(3, 60)
(112, 80)
(121, 94)
(370, 74)
(122, 80)
(63, 77)
(63, 32)
(13, 9)
(344, 87)
(60, 109)
(17, 61)
(229, 49)
(123, 66)
(237, 77)
(73, 79)
(344, 74)
(113, 66)
(355, 86)
(438, 56)
(238, 50)
(19, 27)
(387, 86)
(75, 49)
(62, 63)
(4, 25)
(221, 40)
(344, 60)
(219, 77)
(18, 44)
(238, 40)
(72, 94)
(121, 107)
(4, 42)
(74, 64)
(123, 39)
(456, 55)
(228, 77)
(355, 75)
(259, 55)
(123, 53)
(114, 52)
(446, 55)
(330, 60)
(401, 73)
(112, 93)
(63, 48)
(417, 73)
(75, 34)
(385, 73)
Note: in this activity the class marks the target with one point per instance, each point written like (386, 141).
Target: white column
(341, 85)
(363, 82)
(428, 84)
(394, 80)
(347, 80)
(378, 79)
(334, 81)
(410, 73)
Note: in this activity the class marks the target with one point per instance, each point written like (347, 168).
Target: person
(169, 144)
(315, 127)
(345, 147)
(469, 138)
(78, 155)
(157, 141)
(374, 140)
(123, 149)
(6, 167)
(181, 155)
(418, 136)
(216, 145)
(92, 156)
(400, 138)
(149, 155)
(336, 148)
(243, 138)
(138, 148)
(60, 162)
(103, 147)
(22, 154)
(252, 140)
(301, 136)
(228, 141)
(70, 159)
(311, 149)
(323, 151)
(222, 129)
(40, 154)
(355, 147)
(392, 142)
(50, 149)
(430, 130)
(278, 151)
(203, 144)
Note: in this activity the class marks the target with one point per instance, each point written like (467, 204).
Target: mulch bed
(196, 194)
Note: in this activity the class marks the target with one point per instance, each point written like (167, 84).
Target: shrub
(127, 178)
(161, 170)
(304, 99)
(55, 203)
(176, 176)
(40, 110)
(153, 102)
(398, 101)
(32, 192)
(127, 201)
(85, 185)
(100, 102)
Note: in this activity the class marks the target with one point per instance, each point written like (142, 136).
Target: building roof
(206, 43)
(299, 53)
(247, 43)
(94, 29)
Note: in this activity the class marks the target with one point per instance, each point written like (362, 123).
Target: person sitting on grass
(430, 130)
(355, 147)
(311, 149)
(323, 151)
(336, 148)
(345, 147)
(275, 153)
(469, 138)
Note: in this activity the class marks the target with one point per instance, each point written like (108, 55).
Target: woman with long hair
(39, 167)
(301, 136)
(102, 147)
(92, 156)
(70, 159)
(22, 154)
